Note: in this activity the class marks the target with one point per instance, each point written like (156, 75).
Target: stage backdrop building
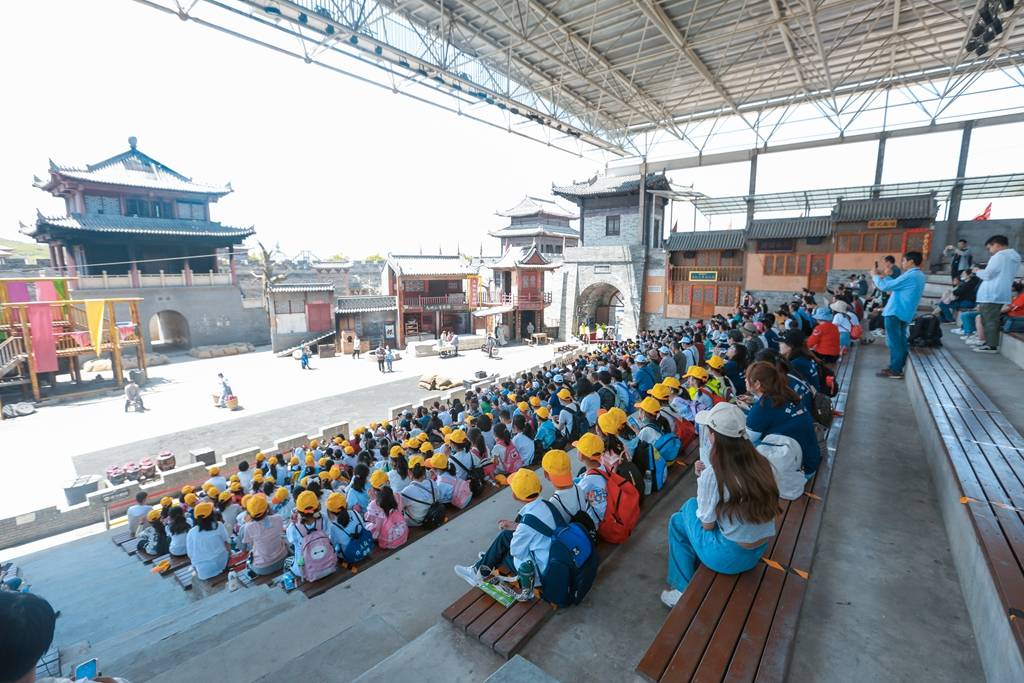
(136, 228)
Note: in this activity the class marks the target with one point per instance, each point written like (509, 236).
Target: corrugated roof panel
(366, 304)
(291, 287)
(702, 240)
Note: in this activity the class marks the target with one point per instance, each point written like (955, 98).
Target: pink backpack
(318, 556)
(394, 532)
(512, 460)
(461, 493)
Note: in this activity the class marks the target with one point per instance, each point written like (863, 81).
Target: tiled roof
(516, 257)
(135, 169)
(140, 226)
(706, 239)
(534, 206)
(331, 265)
(541, 230)
(855, 210)
(787, 228)
(431, 265)
(366, 304)
(610, 185)
(292, 287)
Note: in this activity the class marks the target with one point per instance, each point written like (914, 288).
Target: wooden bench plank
(460, 605)
(473, 611)
(120, 537)
(517, 621)
(485, 620)
(722, 625)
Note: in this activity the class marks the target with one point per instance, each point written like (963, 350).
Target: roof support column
(958, 187)
(876, 192)
(751, 188)
(231, 265)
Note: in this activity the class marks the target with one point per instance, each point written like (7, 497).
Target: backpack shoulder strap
(537, 525)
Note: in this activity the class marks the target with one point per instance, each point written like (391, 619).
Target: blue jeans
(949, 310)
(968, 322)
(690, 543)
(844, 340)
(896, 339)
(1013, 325)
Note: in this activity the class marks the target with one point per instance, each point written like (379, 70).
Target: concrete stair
(151, 648)
(452, 655)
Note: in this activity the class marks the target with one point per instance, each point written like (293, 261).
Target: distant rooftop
(535, 206)
(109, 223)
(295, 287)
(611, 185)
(132, 168)
(421, 264)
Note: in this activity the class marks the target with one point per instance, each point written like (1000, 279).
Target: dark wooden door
(817, 277)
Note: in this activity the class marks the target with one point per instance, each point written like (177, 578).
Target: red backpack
(623, 510)
(684, 430)
(715, 398)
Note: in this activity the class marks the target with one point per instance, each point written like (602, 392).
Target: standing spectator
(667, 364)
(304, 358)
(994, 292)
(906, 291)
(389, 358)
(225, 390)
(962, 259)
(380, 354)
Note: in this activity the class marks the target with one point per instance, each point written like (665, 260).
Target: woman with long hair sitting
(728, 525)
(777, 409)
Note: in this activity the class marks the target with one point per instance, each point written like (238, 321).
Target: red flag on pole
(986, 214)
(675, 226)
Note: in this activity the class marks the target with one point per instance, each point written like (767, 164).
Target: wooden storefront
(704, 273)
(867, 230)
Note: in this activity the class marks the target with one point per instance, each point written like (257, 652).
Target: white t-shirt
(136, 515)
(245, 479)
(525, 446)
(207, 551)
(842, 322)
(467, 459)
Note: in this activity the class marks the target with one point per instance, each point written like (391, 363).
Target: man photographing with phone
(905, 293)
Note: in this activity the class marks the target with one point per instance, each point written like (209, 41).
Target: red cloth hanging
(44, 345)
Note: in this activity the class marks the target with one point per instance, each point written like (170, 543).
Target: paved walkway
(885, 602)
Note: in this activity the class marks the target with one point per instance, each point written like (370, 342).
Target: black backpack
(475, 475)
(579, 424)
(925, 330)
(607, 397)
(436, 513)
(644, 461)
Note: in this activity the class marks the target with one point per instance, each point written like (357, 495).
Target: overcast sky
(323, 162)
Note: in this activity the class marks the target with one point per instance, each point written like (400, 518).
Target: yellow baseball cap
(415, 460)
(458, 436)
(260, 457)
(214, 471)
(535, 401)
(716, 362)
(523, 406)
(323, 461)
(324, 475)
(525, 484)
(314, 443)
(234, 477)
(395, 451)
(153, 515)
(203, 510)
(564, 394)
(294, 460)
(334, 473)
(272, 460)
(185, 490)
(349, 450)
(697, 373)
(378, 479)
(280, 495)
(191, 499)
(439, 461)
(671, 382)
(224, 496)
(609, 423)
(336, 501)
(310, 460)
(235, 487)
(256, 505)
(590, 445)
(426, 447)
(660, 392)
(512, 398)
(421, 437)
(257, 475)
(307, 502)
(649, 405)
(558, 466)
(543, 413)
(166, 501)
(619, 414)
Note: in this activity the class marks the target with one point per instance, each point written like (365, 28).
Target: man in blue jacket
(905, 294)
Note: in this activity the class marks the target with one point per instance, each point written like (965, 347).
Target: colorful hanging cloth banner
(94, 319)
(44, 346)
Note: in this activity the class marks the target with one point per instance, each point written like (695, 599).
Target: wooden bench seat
(978, 466)
(742, 627)
(120, 537)
(507, 630)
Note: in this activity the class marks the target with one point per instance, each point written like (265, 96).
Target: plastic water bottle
(648, 483)
(527, 575)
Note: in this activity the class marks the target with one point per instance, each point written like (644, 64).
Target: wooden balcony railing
(455, 300)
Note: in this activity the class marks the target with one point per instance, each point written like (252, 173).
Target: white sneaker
(670, 598)
(974, 342)
(469, 574)
(956, 330)
(984, 348)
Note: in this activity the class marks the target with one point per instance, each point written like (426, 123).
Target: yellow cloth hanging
(94, 319)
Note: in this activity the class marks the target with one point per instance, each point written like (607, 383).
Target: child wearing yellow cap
(208, 543)
(358, 490)
(517, 542)
(229, 510)
(546, 432)
(216, 479)
(177, 528)
(422, 492)
(263, 536)
(592, 483)
(153, 538)
(343, 524)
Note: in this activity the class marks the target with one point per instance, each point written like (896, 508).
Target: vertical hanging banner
(94, 318)
(44, 346)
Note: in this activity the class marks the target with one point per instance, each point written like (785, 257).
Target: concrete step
(188, 638)
(453, 656)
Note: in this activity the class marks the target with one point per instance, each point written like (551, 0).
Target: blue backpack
(669, 446)
(572, 561)
(359, 545)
